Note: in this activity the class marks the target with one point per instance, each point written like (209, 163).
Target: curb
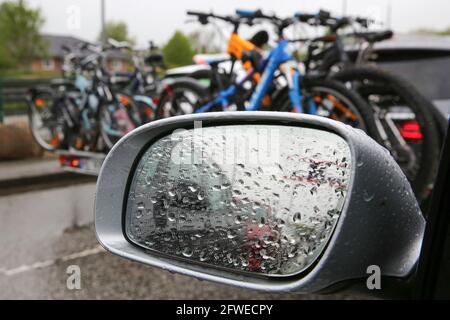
(43, 182)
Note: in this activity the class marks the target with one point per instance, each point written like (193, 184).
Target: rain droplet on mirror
(225, 214)
(187, 252)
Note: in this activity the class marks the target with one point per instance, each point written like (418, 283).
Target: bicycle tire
(126, 115)
(282, 102)
(179, 86)
(423, 110)
(56, 142)
(210, 75)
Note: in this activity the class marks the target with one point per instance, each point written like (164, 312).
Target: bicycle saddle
(260, 39)
(154, 58)
(373, 37)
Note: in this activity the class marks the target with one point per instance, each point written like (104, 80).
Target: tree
(117, 31)
(205, 41)
(20, 38)
(178, 51)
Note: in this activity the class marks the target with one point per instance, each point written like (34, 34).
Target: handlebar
(242, 17)
(245, 17)
(364, 22)
(302, 17)
(327, 39)
(325, 19)
(203, 17)
(370, 37)
(248, 13)
(255, 14)
(321, 17)
(86, 54)
(118, 45)
(251, 15)
(373, 37)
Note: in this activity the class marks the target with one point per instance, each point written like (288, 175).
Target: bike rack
(87, 163)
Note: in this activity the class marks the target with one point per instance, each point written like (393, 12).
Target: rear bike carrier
(82, 162)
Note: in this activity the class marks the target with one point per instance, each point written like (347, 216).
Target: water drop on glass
(297, 217)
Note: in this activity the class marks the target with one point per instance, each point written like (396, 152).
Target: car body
(424, 61)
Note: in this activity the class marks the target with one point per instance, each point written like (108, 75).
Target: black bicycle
(82, 113)
(273, 81)
(405, 118)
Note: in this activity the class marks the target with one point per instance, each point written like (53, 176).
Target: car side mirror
(262, 200)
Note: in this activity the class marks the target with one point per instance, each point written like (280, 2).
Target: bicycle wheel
(180, 97)
(405, 122)
(46, 121)
(332, 100)
(213, 80)
(146, 108)
(117, 118)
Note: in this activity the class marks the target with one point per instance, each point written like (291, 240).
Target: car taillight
(74, 163)
(155, 100)
(410, 130)
(40, 103)
(200, 59)
(68, 161)
(62, 160)
(124, 100)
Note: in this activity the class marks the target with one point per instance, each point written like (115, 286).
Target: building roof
(56, 42)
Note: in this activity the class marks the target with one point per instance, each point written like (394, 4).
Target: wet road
(44, 232)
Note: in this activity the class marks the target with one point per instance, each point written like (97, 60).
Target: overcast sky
(157, 19)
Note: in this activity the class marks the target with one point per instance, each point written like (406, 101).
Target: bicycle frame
(137, 85)
(100, 91)
(275, 59)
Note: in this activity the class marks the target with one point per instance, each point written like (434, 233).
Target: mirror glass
(252, 198)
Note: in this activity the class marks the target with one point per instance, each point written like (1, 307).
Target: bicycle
(143, 85)
(304, 94)
(84, 113)
(405, 119)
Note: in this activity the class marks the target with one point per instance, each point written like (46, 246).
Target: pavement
(29, 168)
(46, 226)
(44, 231)
(36, 174)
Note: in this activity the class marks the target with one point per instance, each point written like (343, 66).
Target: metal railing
(16, 91)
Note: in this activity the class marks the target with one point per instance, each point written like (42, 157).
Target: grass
(17, 74)
(14, 107)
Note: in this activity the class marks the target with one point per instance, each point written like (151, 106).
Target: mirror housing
(380, 223)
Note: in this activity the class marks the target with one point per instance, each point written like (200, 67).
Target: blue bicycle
(274, 82)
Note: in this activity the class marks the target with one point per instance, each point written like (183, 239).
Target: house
(116, 61)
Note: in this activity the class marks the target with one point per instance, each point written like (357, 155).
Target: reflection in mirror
(251, 198)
